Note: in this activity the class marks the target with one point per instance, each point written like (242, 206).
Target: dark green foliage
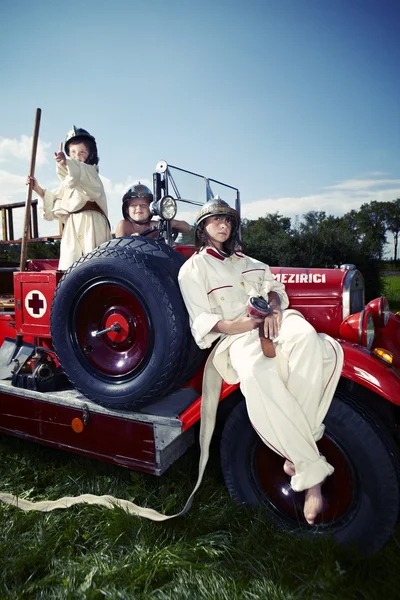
(392, 291)
(371, 227)
(12, 252)
(186, 238)
(316, 241)
(219, 551)
(267, 238)
(393, 223)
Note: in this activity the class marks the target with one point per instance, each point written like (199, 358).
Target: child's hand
(272, 324)
(60, 156)
(35, 186)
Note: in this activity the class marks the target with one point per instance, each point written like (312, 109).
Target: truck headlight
(359, 328)
(368, 330)
(380, 311)
(165, 208)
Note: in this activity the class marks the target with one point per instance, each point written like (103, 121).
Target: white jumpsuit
(83, 231)
(287, 397)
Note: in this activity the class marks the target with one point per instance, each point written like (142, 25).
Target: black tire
(159, 254)
(362, 496)
(163, 259)
(116, 283)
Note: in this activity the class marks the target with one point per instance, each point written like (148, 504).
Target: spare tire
(165, 260)
(118, 322)
(159, 254)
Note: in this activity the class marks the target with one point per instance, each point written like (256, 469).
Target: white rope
(212, 382)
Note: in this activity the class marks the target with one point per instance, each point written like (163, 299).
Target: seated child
(80, 201)
(137, 216)
(288, 396)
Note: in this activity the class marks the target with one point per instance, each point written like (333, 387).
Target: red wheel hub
(117, 352)
(121, 333)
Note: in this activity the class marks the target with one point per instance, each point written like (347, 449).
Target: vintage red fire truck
(99, 360)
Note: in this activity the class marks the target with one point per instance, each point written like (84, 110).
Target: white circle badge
(35, 304)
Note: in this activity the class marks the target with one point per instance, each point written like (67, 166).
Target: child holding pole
(80, 202)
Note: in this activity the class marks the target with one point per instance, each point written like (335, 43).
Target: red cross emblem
(35, 304)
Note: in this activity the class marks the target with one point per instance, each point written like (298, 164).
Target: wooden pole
(4, 223)
(27, 220)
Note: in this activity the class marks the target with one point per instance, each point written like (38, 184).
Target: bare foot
(313, 503)
(289, 469)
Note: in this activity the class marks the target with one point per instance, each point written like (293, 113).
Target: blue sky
(295, 102)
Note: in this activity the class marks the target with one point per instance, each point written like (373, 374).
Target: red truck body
(37, 402)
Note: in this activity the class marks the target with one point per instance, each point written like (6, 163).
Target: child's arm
(181, 226)
(84, 178)
(123, 228)
(46, 199)
(35, 186)
(193, 288)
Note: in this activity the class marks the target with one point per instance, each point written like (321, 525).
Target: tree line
(314, 240)
(321, 240)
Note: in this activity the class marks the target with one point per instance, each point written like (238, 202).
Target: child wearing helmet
(287, 397)
(137, 216)
(80, 201)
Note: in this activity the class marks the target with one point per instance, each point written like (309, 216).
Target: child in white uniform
(80, 201)
(288, 396)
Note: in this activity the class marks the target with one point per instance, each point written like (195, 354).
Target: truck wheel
(362, 495)
(139, 355)
(158, 253)
(162, 258)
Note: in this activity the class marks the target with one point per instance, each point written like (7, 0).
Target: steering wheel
(149, 230)
(174, 232)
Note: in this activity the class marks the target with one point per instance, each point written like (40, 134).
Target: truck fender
(365, 368)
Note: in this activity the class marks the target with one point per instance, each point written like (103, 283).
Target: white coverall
(83, 231)
(288, 396)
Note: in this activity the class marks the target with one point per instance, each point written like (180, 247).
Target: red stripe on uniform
(213, 253)
(219, 288)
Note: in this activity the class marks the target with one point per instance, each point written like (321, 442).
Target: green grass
(392, 291)
(218, 551)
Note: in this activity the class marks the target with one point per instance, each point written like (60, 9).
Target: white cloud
(342, 198)
(336, 199)
(362, 184)
(10, 186)
(22, 149)
(377, 173)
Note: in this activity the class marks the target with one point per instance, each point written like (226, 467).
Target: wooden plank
(10, 223)
(4, 224)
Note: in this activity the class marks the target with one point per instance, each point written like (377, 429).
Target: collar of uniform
(213, 253)
(237, 254)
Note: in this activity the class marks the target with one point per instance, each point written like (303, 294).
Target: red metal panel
(122, 441)
(389, 338)
(43, 264)
(317, 294)
(363, 367)
(325, 319)
(192, 414)
(311, 283)
(186, 250)
(33, 298)
(7, 327)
